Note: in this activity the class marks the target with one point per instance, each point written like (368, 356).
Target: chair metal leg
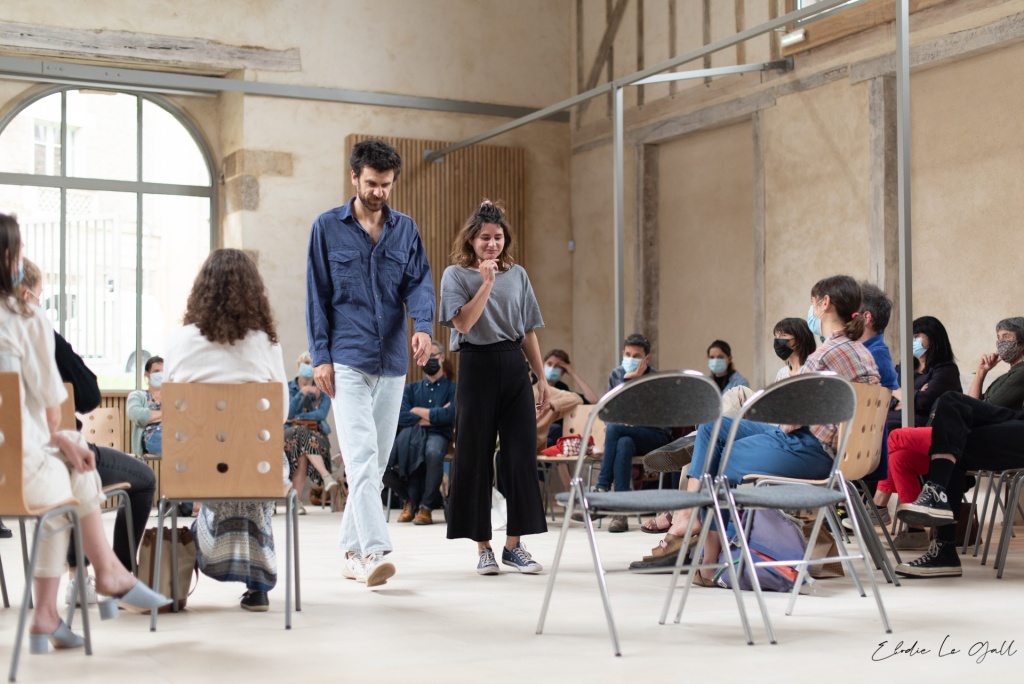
(804, 568)
(602, 584)
(3, 584)
(175, 589)
(24, 554)
(970, 514)
(80, 581)
(161, 508)
(991, 515)
(677, 570)
(874, 546)
(575, 490)
(295, 541)
(834, 526)
(870, 571)
(289, 520)
(30, 565)
(876, 513)
(747, 556)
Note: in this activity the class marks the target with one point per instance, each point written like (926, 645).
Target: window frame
(65, 182)
(837, 25)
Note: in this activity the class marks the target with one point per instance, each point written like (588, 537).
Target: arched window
(116, 199)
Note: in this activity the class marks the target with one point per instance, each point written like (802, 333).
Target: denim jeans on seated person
(621, 444)
(424, 486)
(366, 414)
(762, 449)
(154, 441)
(115, 467)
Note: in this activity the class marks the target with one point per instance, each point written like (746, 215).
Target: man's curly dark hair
(228, 299)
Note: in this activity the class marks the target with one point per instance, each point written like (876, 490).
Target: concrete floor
(437, 621)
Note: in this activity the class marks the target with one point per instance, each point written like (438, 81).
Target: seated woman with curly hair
(230, 337)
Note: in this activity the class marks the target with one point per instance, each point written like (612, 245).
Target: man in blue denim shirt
(367, 270)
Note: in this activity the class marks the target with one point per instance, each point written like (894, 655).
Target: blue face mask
(813, 322)
(717, 366)
(919, 348)
(305, 370)
(629, 364)
(552, 374)
(156, 380)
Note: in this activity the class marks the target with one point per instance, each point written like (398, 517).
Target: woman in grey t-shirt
(489, 302)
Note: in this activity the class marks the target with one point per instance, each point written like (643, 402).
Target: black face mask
(431, 366)
(782, 348)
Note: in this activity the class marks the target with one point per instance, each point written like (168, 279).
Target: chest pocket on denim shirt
(346, 265)
(392, 268)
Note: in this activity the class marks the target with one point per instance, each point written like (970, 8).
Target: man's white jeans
(366, 414)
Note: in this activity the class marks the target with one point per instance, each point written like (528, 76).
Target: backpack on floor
(773, 536)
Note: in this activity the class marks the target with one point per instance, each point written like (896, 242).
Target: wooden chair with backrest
(95, 427)
(12, 505)
(225, 442)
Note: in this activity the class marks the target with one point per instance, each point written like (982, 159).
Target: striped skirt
(235, 543)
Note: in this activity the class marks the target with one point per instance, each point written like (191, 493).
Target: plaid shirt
(847, 358)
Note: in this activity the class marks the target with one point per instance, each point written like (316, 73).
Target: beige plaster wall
(817, 197)
(968, 197)
(706, 247)
(595, 350)
(478, 50)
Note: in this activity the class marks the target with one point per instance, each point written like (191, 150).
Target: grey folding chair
(656, 400)
(809, 399)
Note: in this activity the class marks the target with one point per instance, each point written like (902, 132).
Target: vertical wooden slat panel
(439, 197)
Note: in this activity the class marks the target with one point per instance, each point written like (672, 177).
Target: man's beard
(372, 203)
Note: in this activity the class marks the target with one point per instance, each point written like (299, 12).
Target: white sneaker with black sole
(886, 519)
(487, 565)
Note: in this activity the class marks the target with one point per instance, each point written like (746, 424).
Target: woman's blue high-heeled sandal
(62, 637)
(140, 596)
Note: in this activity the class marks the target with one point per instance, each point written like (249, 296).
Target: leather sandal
(700, 580)
(669, 546)
(653, 525)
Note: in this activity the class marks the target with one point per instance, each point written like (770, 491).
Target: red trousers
(908, 461)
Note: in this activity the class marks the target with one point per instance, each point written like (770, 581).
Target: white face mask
(156, 380)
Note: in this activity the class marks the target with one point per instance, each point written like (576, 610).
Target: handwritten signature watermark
(979, 650)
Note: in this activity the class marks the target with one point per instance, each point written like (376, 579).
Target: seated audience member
(623, 442)
(230, 337)
(967, 434)
(909, 447)
(793, 344)
(720, 365)
(426, 418)
(143, 409)
(112, 466)
(787, 451)
(56, 465)
(876, 309)
(935, 372)
(556, 367)
(305, 433)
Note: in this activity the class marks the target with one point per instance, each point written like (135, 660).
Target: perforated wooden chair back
(67, 409)
(577, 420)
(12, 502)
(223, 440)
(102, 427)
(867, 430)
